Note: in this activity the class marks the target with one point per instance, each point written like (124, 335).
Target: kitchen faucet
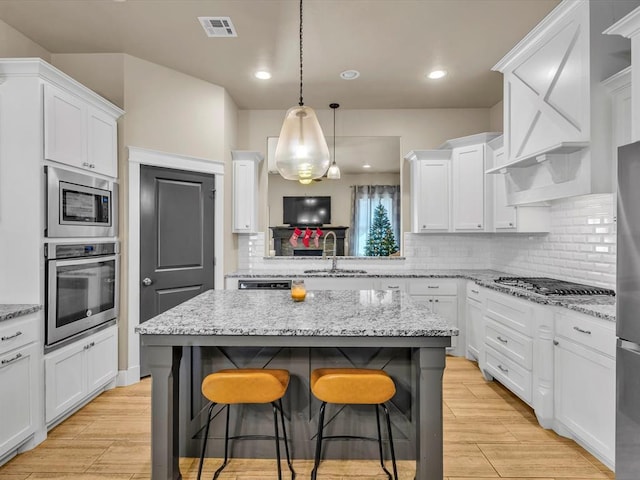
(334, 259)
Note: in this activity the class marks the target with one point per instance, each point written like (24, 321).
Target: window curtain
(364, 200)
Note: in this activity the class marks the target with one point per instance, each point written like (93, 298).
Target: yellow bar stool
(246, 386)
(353, 386)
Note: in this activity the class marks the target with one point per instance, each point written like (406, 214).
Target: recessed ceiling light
(262, 75)
(366, 165)
(435, 74)
(350, 74)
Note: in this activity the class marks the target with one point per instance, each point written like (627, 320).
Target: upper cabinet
(79, 134)
(557, 140)
(245, 190)
(430, 186)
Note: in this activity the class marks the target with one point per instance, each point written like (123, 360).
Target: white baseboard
(128, 377)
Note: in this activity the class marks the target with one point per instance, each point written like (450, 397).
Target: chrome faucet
(334, 259)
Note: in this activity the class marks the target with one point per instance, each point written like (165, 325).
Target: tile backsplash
(581, 247)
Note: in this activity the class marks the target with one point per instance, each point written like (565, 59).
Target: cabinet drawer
(433, 287)
(510, 311)
(394, 284)
(511, 375)
(590, 332)
(515, 346)
(473, 292)
(18, 332)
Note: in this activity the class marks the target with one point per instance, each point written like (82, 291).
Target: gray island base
(327, 320)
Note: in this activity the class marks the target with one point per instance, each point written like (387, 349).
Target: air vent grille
(218, 26)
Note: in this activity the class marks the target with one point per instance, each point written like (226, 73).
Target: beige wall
(496, 117)
(417, 129)
(15, 44)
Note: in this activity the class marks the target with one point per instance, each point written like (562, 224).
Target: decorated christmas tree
(381, 241)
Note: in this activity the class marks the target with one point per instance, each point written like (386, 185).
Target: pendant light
(302, 153)
(334, 171)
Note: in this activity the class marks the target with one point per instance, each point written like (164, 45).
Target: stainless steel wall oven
(81, 289)
(80, 205)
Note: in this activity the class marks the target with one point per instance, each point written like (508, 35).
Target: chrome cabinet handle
(433, 286)
(436, 300)
(9, 360)
(147, 281)
(479, 226)
(578, 329)
(17, 334)
(511, 224)
(502, 369)
(475, 291)
(502, 339)
(556, 342)
(88, 346)
(86, 164)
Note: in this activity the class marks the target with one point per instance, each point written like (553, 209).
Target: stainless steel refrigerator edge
(628, 315)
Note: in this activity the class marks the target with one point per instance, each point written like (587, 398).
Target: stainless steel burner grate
(551, 286)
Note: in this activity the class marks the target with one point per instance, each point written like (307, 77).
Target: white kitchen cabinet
(20, 379)
(584, 383)
(79, 134)
(430, 190)
(468, 188)
(77, 372)
(507, 218)
(245, 190)
(556, 140)
(474, 322)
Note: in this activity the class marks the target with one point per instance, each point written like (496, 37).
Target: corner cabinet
(245, 190)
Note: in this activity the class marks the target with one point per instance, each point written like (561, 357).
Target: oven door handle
(83, 261)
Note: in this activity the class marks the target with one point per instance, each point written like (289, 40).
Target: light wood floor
(488, 433)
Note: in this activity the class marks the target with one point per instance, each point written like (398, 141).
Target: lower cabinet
(474, 323)
(77, 371)
(20, 356)
(584, 384)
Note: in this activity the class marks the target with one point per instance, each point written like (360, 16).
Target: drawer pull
(578, 329)
(502, 369)
(9, 360)
(17, 334)
(393, 287)
(502, 339)
(475, 291)
(88, 346)
(433, 286)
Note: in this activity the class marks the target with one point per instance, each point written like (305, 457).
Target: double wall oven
(82, 264)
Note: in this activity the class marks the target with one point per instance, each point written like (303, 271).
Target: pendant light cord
(334, 133)
(301, 103)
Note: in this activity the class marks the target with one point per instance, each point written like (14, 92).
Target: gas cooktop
(551, 286)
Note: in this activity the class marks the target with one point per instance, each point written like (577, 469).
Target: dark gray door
(176, 240)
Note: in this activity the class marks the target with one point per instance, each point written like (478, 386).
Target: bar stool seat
(353, 386)
(248, 385)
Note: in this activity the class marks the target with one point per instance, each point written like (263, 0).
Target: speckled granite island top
(13, 310)
(349, 313)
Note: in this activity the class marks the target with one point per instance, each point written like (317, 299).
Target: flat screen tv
(303, 211)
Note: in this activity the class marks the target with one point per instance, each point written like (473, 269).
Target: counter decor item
(298, 290)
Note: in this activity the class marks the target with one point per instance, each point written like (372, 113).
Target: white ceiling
(393, 43)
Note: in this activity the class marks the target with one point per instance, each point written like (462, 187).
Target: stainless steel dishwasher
(264, 284)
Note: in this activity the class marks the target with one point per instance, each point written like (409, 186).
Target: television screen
(302, 211)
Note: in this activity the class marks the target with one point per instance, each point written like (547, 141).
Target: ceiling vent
(218, 26)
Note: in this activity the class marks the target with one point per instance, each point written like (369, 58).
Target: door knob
(147, 281)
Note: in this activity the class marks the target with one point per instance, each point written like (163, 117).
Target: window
(365, 199)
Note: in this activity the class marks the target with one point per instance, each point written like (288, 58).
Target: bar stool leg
(316, 463)
(277, 435)
(393, 452)
(380, 442)
(226, 446)
(286, 441)
(204, 440)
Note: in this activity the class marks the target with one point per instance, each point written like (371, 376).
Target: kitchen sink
(335, 270)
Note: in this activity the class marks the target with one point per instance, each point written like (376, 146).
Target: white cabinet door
(504, 216)
(475, 329)
(65, 128)
(468, 188)
(432, 196)
(65, 379)
(243, 198)
(584, 387)
(447, 307)
(343, 283)
(18, 378)
(102, 359)
(102, 143)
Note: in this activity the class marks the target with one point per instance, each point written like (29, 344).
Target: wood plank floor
(488, 433)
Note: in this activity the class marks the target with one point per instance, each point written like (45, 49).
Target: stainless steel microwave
(80, 205)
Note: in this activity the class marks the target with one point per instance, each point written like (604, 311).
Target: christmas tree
(380, 242)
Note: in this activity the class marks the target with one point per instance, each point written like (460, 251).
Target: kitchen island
(335, 319)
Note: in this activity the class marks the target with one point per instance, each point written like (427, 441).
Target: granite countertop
(13, 310)
(601, 306)
(348, 313)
